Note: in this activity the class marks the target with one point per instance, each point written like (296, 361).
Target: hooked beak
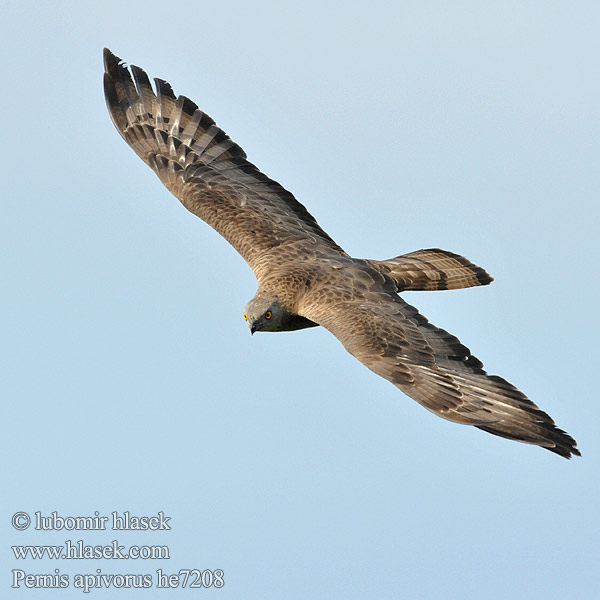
(253, 327)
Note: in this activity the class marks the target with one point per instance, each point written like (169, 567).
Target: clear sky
(129, 380)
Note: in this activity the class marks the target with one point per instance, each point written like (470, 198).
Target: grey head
(265, 313)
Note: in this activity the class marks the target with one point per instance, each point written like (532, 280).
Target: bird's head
(265, 313)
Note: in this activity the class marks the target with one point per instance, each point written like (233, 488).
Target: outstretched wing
(427, 363)
(205, 169)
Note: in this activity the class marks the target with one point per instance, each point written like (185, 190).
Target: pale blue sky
(130, 381)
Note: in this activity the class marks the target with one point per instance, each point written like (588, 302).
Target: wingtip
(564, 444)
(117, 84)
(568, 453)
(569, 449)
(110, 60)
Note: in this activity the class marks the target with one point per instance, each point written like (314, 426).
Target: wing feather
(206, 170)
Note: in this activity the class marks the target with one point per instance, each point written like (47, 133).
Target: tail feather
(432, 269)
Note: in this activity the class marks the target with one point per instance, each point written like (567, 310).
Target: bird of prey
(305, 279)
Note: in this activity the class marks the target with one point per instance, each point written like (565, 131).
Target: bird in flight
(305, 279)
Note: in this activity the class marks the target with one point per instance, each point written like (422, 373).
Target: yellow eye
(245, 317)
(268, 314)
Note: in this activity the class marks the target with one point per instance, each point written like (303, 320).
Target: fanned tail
(432, 269)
